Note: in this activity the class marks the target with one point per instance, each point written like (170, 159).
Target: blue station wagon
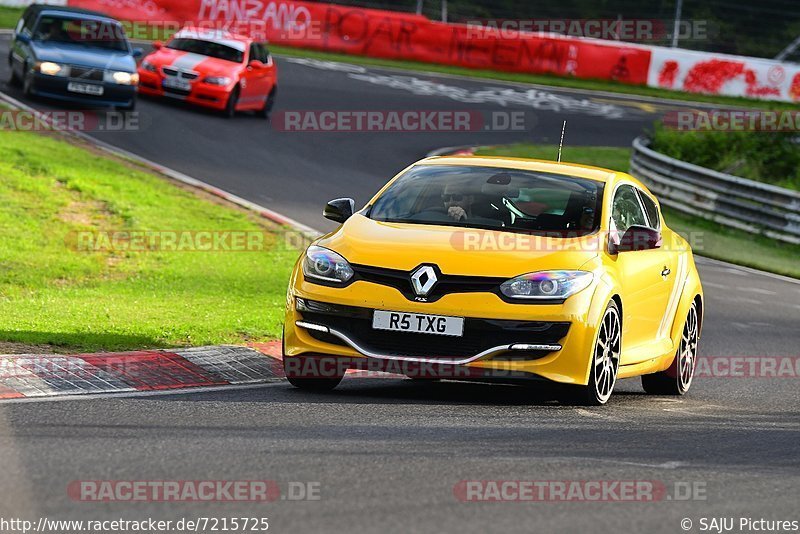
(74, 55)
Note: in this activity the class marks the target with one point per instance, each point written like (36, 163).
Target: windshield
(493, 198)
(67, 30)
(207, 48)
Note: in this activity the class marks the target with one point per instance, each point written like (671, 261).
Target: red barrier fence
(395, 35)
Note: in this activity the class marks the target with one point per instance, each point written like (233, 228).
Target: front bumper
(201, 94)
(55, 87)
(551, 341)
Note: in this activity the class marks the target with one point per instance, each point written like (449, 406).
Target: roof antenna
(561, 144)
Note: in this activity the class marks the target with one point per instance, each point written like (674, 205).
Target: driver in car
(54, 32)
(457, 202)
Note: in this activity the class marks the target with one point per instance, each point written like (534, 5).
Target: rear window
(207, 48)
(492, 198)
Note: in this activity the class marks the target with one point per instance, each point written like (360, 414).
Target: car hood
(87, 56)
(455, 250)
(205, 65)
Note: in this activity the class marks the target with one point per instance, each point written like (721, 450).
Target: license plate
(182, 85)
(418, 322)
(85, 88)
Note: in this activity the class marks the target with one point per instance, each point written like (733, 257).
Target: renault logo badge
(423, 280)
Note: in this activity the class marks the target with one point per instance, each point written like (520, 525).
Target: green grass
(707, 238)
(9, 17)
(771, 157)
(52, 293)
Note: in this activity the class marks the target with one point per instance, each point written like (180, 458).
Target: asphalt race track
(388, 453)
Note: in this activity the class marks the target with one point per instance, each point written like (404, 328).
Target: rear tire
(268, 104)
(678, 378)
(230, 107)
(605, 362)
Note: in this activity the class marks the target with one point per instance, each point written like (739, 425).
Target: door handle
(665, 273)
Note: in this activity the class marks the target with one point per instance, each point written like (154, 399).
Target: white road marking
(598, 415)
(744, 300)
(504, 96)
(124, 395)
(757, 290)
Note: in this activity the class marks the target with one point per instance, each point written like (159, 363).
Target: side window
(651, 210)
(267, 57)
(258, 52)
(25, 24)
(626, 210)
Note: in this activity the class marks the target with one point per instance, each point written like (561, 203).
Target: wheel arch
(698, 299)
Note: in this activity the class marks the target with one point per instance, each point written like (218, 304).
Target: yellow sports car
(498, 269)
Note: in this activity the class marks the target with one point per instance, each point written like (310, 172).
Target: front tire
(678, 378)
(605, 361)
(15, 80)
(27, 83)
(308, 383)
(314, 384)
(131, 107)
(230, 107)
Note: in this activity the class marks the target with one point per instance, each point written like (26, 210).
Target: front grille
(86, 73)
(182, 74)
(479, 334)
(446, 284)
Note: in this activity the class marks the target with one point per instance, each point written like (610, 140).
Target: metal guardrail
(754, 207)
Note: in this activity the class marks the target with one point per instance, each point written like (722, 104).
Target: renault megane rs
(500, 267)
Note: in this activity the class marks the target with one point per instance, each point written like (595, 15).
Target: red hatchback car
(214, 69)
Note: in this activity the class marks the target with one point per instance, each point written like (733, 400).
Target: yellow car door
(647, 279)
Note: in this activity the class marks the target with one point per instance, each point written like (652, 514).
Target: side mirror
(638, 238)
(23, 38)
(339, 210)
(157, 45)
(256, 64)
(138, 52)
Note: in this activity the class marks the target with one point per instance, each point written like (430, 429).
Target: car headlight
(546, 285)
(122, 78)
(217, 80)
(146, 65)
(326, 265)
(52, 69)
